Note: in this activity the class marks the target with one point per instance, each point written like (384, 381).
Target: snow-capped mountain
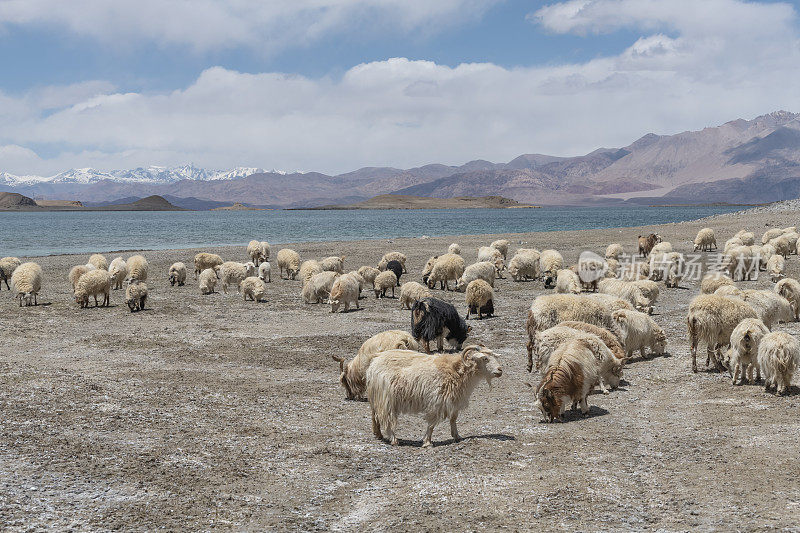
(151, 174)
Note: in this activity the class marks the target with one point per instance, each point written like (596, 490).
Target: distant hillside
(399, 201)
(151, 203)
(11, 201)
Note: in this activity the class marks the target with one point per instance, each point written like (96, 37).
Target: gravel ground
(207, 412)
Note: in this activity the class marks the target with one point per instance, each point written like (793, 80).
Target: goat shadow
(576, 415)
(651, 357)
(435, 444)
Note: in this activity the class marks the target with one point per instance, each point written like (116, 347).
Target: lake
(45, 233)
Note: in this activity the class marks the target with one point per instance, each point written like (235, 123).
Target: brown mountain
(11, 201)
(404, 201)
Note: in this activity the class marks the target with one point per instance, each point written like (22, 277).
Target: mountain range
(742, 161)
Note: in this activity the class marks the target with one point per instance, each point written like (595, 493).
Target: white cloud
(403, 113)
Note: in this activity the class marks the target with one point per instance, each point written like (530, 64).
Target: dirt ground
(208, 412)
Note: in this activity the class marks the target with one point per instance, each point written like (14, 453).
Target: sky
(335, 85)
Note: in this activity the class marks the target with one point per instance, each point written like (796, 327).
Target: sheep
(646, 243)
(571, 375)
(713, 281)
(253, 287)
(480, 298)
(747, 238)
(397, 268)
(733, 242)
(136, 295)
(265, 250)
(254, 252)
(448, 267)
(98, 261)
(360, 279)
(567, 281)
(770, 306)
(345, 291)
(177, 274)
(782, 246)
(675, 270)
(489, 253)
(705, 240)
(288, 260)
(789, 288)
(454, 249)
(792, 237)
(629, 291)
(384, 281)
(775, 267)
(778, 357)
(771, 234)
(764, 253)
(137, 268)
(501, 246)
(319, 287)
(233, 273)
(76, 272)
(613, 251)
(433, 319)
(354, 372)
(608, 338)
(426, 271)
(550, 262)
(639, 331)
(119, 271)
(93, 283)
(649, 289)
(207, 281)
(411, 292)
(663, 247)
(612, 303)
(7, 266)
(333, 264)
(392, 256)
(205, 260)
(739, 263)
(729, 290)
(265, 272)
(711, 319)
(27, 282)
(742, 357)
(612, 268)
(524, 265)
(437, 387)
(590, 269)
(484, 270)
(369, 274)
(308, 269)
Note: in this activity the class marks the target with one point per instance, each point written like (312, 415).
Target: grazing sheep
(384, 281)
(792, 237)
(288, 260)
(770, 306)
(713, 281)
(501, 246)
(782, 245)
(611, 302)
(646, 243)
(484, 271)
(333, 264)
(205, 260)
(233, 273)
(742, 357)
(254, 252)
(437, 387)
(27, 282)
(729, 290)
(119, 272)
(608, 338)
(613, 251)
(308, 269)
(771, 234)
(612, 268)
(454, 249)
(137, 268)
(392, 256)
(524, 265)
(354, 372)
(550, 262)
(207, 281)
(778, 357)
(480, 298)
(733, 242)
(265, 272)
(629, 291)
(265, 250)
(764, 253)
(448, 267)
(76, 272)
(789, 288)
(663, 247)
(93, 283)
(609, 365)
(361, 281)
(571, 375)
(676, 269)
(426, 271)
(253, 287)
(775, 267)
(590, 269)
(711, 320)
(346, 290)
(177, 274)
(489, 253)
(397, 268)
(747, 238)
(319, 287)
(433, 319)
(705, 240)
(410, 292)
(136, 295)
(98, 261)
(639, 331)
(740, 263)
(567, 281)
(649, 289)
(7, 266)
(369, 274)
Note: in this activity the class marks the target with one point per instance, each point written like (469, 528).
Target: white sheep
(730, 290)
(742, 357)
(448, 267)
(99, 261)
(454, 248)
(480, 298)
(629, 291)
(485, 271)
(254, 252)
(613, 268)
(207, 281)
(764, 253)
(778, 357)
(501, 245)
(613, 251)
(360, 279)
(205, 260)
(27, 282)
(93, 283)
(436, 386)
(524, 265)
(775, 267)
(333, 264)
(308, 269)
(288, 260)
(567, 281)
(345, 291)
(137, 268)
(384, 281)
(639, 331)
(177, 274)
(233, 273)
(550, 262)
(649, 289)
(782, 245)
(369, 274)
(119, 272)
(747, 238)
(76, 272)
(711, 320)
(705, 240)
(676, 269)
(265, 250)
(771, 234)
(572, 373)
(392, 256)
(789, 288)
(265, 272)
(136, 295)
(253, 287)
(488, 253)
(7, 267)
(663, 247)
(410, 292)
(770, 306)
(713, 281)
(319, 287)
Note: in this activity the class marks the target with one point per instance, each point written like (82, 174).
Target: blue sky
(335, 85)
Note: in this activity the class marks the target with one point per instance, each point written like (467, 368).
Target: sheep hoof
(394, 441)
(426, 444)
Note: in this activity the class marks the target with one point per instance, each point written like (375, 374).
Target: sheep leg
(530, 355)
(454, 427)
(736, 369)
(426, 440)
(427, 345)
(393, 292)
(469, 309)
(693, 351)
(376, 426)
(584, 406)
(603, 387)
(440, 343)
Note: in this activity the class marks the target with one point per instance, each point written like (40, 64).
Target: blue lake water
(45, 233)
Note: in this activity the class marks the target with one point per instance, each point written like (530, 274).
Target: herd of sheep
(580, 337)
